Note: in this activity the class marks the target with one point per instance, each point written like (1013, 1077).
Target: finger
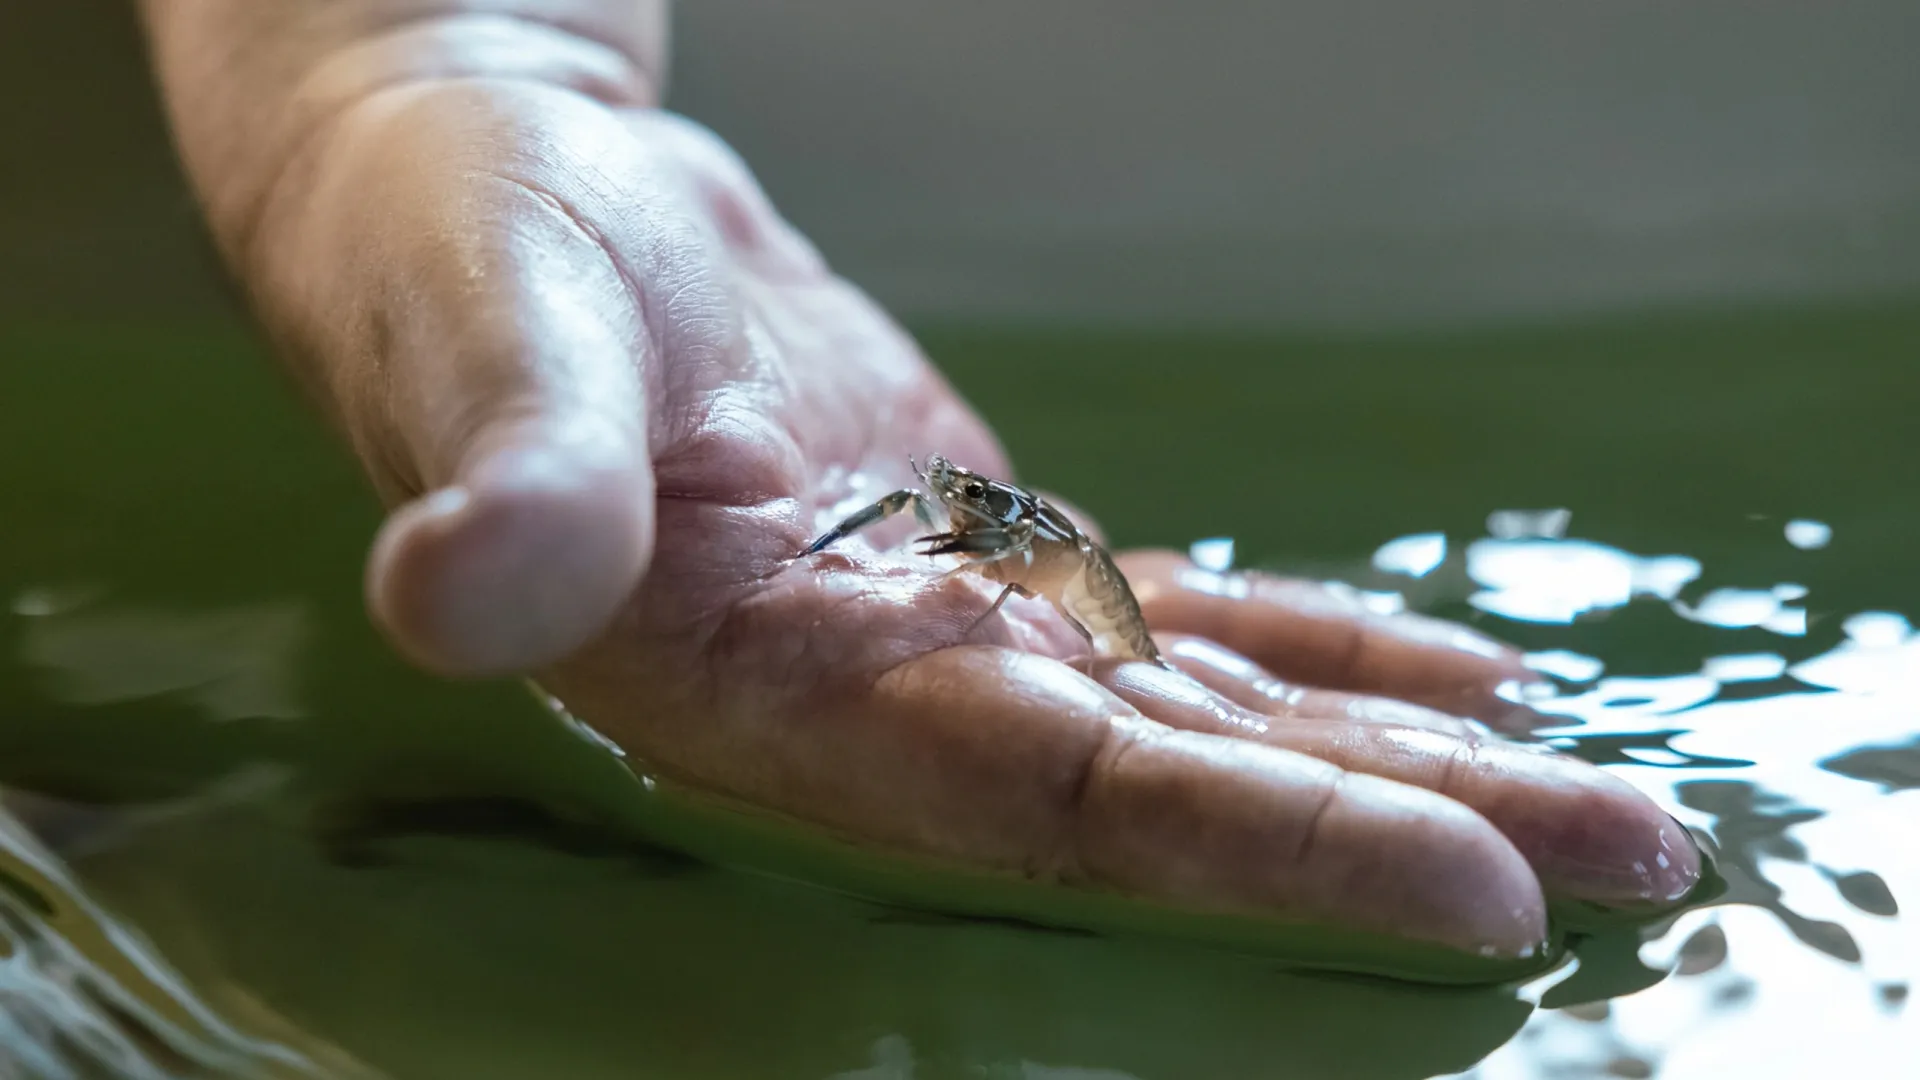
(1307, 633)
(1251, 686)
(1587, 834)
(1000, 758)
(507, 394)
(541, 531)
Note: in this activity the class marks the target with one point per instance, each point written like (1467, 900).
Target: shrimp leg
(1093, 650)
(886, 507)
(995, 543)
(997, 601)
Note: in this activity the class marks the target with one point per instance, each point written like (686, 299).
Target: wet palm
(613, 396)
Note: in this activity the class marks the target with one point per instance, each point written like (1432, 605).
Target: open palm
(612, 395)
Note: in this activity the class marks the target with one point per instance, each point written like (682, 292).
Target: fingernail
(1605, 842)
(1677, 864)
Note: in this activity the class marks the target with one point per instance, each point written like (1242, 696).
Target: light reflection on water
(83, 997)
(1800, 765)
(1805, 778)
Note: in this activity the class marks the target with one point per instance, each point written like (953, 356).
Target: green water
(187, 656)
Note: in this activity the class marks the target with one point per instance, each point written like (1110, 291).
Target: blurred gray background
(1377, 161)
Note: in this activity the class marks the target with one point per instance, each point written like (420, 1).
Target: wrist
(253, 90)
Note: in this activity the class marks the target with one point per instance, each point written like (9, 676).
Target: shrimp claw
(885, 507)
(1013, 538)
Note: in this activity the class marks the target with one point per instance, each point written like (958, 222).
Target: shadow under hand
(484, 957)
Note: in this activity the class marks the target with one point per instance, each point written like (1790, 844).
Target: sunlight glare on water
(1795, 759)
(1545, 580)
(1804, 776)
(1808, 535)
(81, 996)
(1215, 554)
(1415, 556)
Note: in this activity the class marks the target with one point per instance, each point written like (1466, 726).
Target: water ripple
(1801, 775)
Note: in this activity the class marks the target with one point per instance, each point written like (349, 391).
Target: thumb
(542, 533)
(462, 271)
(511, 390)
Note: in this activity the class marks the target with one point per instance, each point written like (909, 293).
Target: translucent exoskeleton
(1013, 537)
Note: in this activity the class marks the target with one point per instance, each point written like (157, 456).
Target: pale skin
(610, 396)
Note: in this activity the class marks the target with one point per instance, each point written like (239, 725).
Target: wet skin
(610, 396)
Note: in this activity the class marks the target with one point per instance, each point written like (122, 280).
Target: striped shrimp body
(1014, 538)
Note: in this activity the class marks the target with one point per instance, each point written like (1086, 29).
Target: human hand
(611, 396)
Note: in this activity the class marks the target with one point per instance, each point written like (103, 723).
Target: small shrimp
(1014, 538)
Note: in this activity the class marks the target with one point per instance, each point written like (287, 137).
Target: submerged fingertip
(1678, 862)
(1594, 837)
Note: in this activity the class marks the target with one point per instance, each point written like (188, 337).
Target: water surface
(314, 861)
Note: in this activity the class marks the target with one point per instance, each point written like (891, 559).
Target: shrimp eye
(975, 490)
